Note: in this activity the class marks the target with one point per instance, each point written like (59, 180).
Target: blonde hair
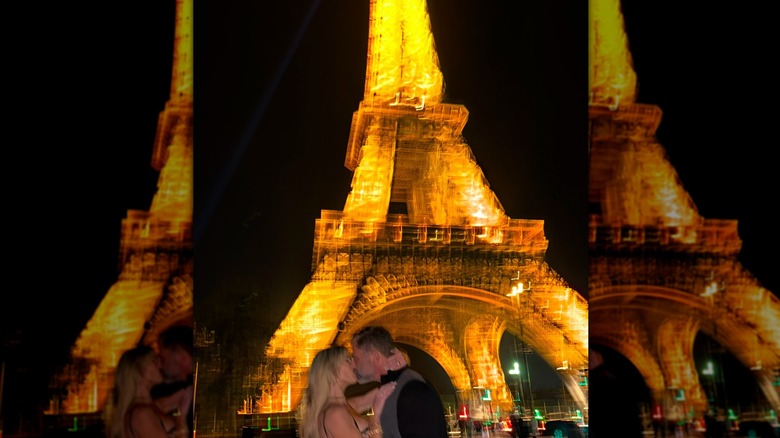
(128, 374)
(322, 375)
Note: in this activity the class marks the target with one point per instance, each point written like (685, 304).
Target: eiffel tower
(154, 287)
(660, 273)
(422, 245)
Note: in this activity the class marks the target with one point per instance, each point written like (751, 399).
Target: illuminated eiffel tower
(154, 287)
(423, 245)
(659, 272)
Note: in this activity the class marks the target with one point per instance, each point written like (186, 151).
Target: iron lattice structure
(154, 286)
(659, 273)
(449, 276)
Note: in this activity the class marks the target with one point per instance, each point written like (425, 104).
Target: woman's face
(151, 370)
(346, 371)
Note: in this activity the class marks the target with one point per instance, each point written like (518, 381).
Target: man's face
(365, 363)
(152, 370)
(176, 363)
(168, 362)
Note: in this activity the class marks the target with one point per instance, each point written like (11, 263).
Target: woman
(130, 411)
(325, 411)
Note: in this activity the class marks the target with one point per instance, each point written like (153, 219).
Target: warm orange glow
(154, 288)
(403, 67)
(440, 276)
(611, 74)
(645, 188)
(310, 326)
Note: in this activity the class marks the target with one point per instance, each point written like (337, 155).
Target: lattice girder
(387, 266)
(440, 339)
(706, 283)
(417, 157)
(481, 340)
(674, 344)
(654, 307)
(630, 175)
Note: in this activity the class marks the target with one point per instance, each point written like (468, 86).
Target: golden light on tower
(402, 70)
(438, 179)
(612, 79)
(172, 154)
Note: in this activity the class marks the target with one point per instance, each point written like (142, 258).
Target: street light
(516, 372)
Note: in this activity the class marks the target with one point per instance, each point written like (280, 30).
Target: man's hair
(374, 338)
(176, 336)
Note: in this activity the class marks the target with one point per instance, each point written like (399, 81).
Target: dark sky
(710, 72)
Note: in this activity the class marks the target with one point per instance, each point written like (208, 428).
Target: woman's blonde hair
(127, 376)
(322, 375)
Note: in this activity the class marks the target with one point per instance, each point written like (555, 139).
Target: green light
(75, 425)
(271, 427)
(710, 370)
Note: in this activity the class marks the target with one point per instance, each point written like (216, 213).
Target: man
(414, 409)
(174, 395)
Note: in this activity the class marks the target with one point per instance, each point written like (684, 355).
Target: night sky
(276, 84)
(709, 71)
